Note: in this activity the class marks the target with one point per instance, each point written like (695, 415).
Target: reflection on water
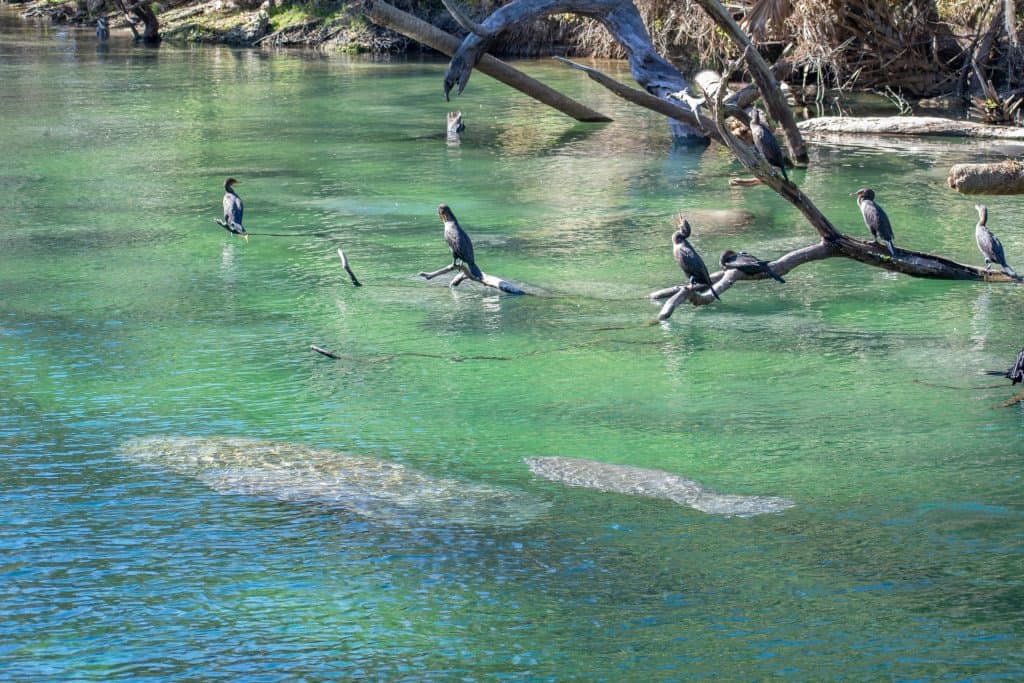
(124, 312)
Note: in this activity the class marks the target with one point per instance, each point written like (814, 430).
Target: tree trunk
(1005, 177)
(908, 125)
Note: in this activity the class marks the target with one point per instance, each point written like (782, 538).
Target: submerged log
(1004, 177)
(464, 274)
(395, 19)
(635, 481)
(908, 125)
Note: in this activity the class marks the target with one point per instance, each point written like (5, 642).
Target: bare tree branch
(464, 21)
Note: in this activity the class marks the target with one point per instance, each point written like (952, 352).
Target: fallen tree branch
(395, 19)
(908, 125)
(324, 352)
(348, 269)
(833, 243)
(620, 17)
(646, 100)
(464, 274)
(771, 93)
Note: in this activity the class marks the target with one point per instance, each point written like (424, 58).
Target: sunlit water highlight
(125, 313)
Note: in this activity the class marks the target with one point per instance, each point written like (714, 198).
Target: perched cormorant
(1014, 374)
(458, 241)
(102, 30)
(990, 246)
(232, 210)
(875, 218)
(766, 143)
(745, 263)
(688, 258)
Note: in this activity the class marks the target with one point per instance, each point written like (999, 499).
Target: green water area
(189, 493)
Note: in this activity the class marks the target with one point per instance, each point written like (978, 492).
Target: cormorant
(766, 143)
(1014, 374)
(458, 241)
(688, 258)
(232, 211)
(455, 124)
(874, 217)
(745, 263)
(102, 30)
(990, 246)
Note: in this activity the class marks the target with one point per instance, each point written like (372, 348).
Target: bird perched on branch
(990, 246)
(688, 258)
(745, 263)
(875, 218)
(1014, 374)
(458, 241)
(766, 143)
(232, 211)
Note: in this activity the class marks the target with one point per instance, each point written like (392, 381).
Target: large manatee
(384, 491)
(636, 481)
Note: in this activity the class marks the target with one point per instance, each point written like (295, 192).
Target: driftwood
(1004, 177)
(464, 274)
(908, 125)
(833, 243)
(402, 22)
(324, 352)
(348, 269)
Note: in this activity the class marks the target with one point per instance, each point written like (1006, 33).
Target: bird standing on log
(458, 241)
(875, 218)
(766, 143)
(1014, 374)
(102, 29)
(990, 246)
(688, 258)
(747, 264)
(232, 211)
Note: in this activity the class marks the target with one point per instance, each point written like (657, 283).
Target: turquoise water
(126, 313)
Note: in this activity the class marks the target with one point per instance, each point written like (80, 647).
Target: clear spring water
(126, 313)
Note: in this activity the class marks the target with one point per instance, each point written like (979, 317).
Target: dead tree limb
(833, 243)
(324, 352)
(644, 99)
(620, 17)
(464, 274)
(771, 93)
(348, 269)
(395, 19)
(908, 125)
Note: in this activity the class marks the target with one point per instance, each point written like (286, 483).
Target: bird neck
(230, 189)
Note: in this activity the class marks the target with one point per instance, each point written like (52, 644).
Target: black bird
(102, 30)
(990, 246)
(688, 258)
(874, 217)
(1014, 374)
(232, 211)
(745, 263)
(458, 241)
(766, 143)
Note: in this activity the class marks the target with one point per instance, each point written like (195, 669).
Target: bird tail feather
(477, 273)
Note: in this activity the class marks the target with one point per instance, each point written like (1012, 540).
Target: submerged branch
(464, 274)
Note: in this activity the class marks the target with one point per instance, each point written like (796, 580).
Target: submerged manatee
(636, 481)
(384, 491)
